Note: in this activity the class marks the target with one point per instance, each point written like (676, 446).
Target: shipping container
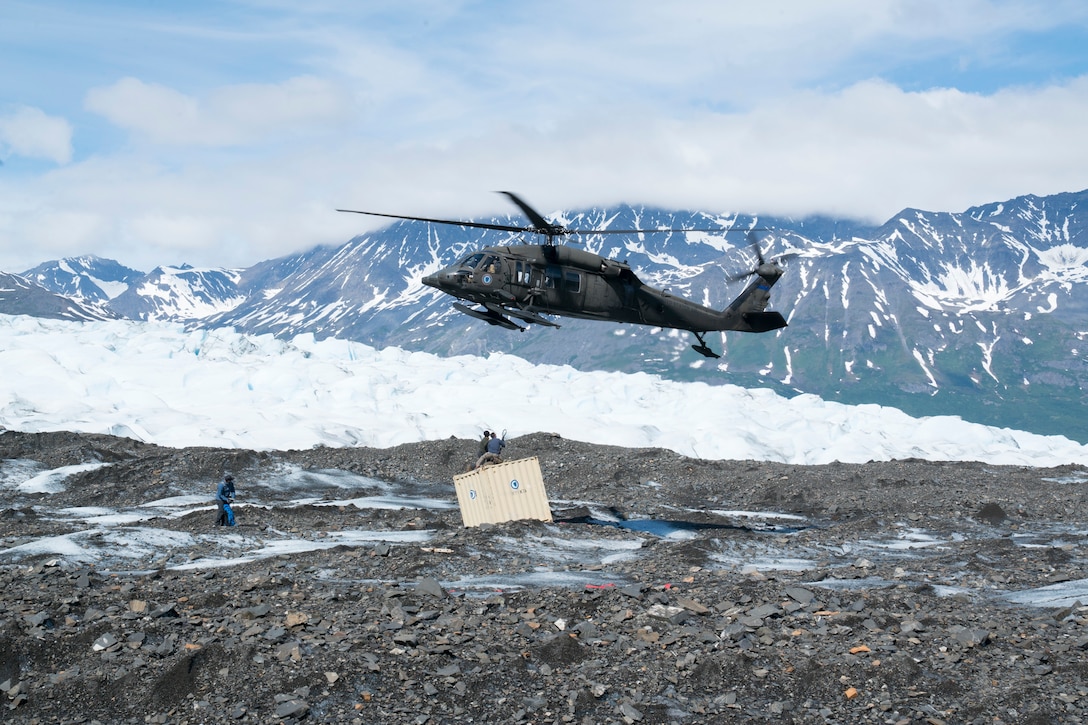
(507, 491)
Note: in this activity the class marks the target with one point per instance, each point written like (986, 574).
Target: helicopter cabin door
(522, 280)
(564, 288)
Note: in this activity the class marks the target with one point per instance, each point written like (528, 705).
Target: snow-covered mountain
(179, 293)
(90, 279)
(982, 313)
(20, 296)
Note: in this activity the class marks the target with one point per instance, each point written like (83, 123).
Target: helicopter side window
(553, 277)
(572, 282)
(522, 272)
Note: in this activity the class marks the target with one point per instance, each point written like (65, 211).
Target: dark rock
(991, 514)
(292, 708)
(430, 587)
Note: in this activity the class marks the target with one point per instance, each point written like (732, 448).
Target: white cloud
(779, 108)
(575, 55)
(240, 114)
(868, 151)
(32, 133)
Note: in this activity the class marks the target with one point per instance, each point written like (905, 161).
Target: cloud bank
(236, 142)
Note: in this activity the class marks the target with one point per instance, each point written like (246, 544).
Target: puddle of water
(742, 514)
(390, 502)
(534, 580)
(1068, 479)
(663, 529)
(670, 529)
(905, 540)
(1065, 594)
(782, 563)
(869, 582)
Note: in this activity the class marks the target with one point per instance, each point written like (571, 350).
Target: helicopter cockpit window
(472, 260)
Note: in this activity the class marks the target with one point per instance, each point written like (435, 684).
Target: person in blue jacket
(494, 448)
(224, 497)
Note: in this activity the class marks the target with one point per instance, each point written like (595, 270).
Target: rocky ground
(722, 591)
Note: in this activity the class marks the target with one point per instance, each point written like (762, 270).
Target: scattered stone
(295, 619)
(260, 610)
(292, 707)
(430, 587)
(662, 611)
(564, 622)
(970, 637)
(166, 610)
(800, 595)
(105, 642)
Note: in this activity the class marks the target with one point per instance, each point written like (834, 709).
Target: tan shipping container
(508, 491)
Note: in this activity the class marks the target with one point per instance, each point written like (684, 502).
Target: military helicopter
(527, 281)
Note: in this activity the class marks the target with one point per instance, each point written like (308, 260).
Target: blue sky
(224, 133)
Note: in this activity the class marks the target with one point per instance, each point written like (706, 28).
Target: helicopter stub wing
(527, 316)
(490, 316)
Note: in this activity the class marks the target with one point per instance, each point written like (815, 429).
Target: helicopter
(525, 282)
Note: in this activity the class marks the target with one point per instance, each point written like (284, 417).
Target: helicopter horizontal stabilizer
(489, 316)
(763, 321)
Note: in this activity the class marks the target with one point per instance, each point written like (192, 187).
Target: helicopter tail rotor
(753, 241)
(768, 269)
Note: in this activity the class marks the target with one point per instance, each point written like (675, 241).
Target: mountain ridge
(981, 313)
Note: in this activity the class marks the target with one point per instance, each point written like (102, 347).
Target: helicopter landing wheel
(702, 348)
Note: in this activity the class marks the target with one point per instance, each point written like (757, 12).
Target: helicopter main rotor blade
(559, 230)
(453, 222)
(543, 226)
(661, 230)
(738, 277)
(534, 216)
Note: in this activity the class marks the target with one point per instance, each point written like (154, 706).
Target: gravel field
(666, 590)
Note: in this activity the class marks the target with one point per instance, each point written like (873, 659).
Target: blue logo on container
(514, 484)
(472, 494)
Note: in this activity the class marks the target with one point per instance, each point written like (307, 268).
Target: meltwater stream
(566, 552)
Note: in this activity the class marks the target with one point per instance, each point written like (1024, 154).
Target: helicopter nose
(442, 280)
